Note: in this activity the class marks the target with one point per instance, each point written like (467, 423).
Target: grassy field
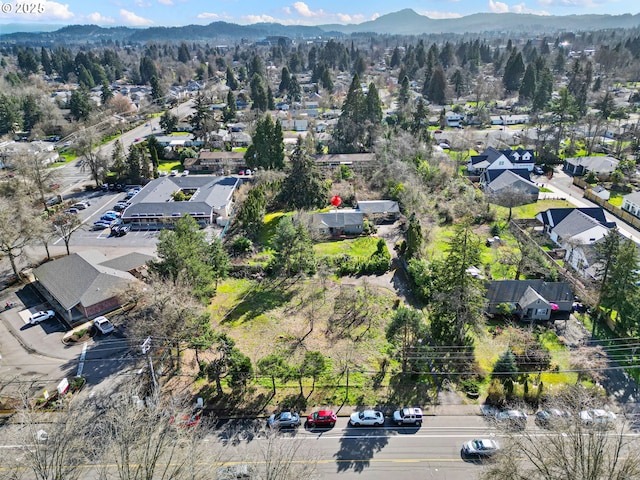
(167, 166)
(357, 247)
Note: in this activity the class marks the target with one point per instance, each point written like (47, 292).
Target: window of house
(541, 311)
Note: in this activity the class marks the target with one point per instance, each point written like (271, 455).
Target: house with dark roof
(494, 159)
(601, 166)
(577, 230)
(86, 284)
(339, 222)
(352, 160)
(514, 182)
(379, 210)
(530, 300)
(163, 201)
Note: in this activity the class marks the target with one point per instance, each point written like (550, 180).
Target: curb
(29, 349)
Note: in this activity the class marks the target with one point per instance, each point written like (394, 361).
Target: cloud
(260, 19)
(130, 18)
(213, 16)
(304, 10)
(47, 11)
(439, 15)
(165, 2)
(99, 19)
(142, 3)
(498, 7)
(572, 3)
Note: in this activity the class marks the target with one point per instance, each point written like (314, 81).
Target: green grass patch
(269, 227)
(239, 149)
(530, 210)
(167, 166)
(180, 134)
(545, 190)
(358, 247)
(615, 199)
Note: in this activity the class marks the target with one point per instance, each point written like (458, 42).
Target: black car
(120, 230)
(551, 417)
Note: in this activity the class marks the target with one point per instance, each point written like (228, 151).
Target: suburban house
(494, 159)
(631, 203)
(296, 125)
(379, 210)
(164, 200)
(530, 300)
(339, 222)
(86, 284)
(215, 162)
(601, 166)
(509, 119)
(454, 119)
(576, 230)
(514, 182)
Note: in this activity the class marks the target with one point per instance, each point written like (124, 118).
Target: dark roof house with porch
(531, 300)
(86, 284)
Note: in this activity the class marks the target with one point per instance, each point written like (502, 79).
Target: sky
(145, 13)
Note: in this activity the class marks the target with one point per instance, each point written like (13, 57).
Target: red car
(186, 420)
(323, 418)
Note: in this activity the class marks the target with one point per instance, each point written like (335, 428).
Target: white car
(41, 316)
(103, 325)
(481, 447)
(598, 417)
(80, 205)
(367, 418)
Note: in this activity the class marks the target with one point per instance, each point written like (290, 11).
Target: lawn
(530, 210)
(358, 247)
(167, 166)
(615, 199)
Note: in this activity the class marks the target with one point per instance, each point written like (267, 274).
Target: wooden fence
(616, 211)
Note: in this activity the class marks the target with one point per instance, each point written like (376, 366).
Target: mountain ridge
(403, 22)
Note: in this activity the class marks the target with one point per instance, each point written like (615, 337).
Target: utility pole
(146, 348)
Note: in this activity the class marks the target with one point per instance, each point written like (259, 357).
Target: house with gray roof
(600, 165)
(576, 230)
(215, 162)
(530, 300)
(346, 221)
(163, 201)
(86, 284)
(514, 183)
(379, 210)
(631, 203)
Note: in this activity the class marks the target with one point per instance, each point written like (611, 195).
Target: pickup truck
(408, 416)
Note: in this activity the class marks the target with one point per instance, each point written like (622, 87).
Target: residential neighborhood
(230, 250)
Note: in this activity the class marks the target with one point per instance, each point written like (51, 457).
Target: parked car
(101, 225)
(120, 206)
(285, 419)
(112, 213)
(368, 418)
(551, 417)
(481, 447)
(408, 416)
(185, 173)
(512, 419)
(236, 472)
(41, 316)
(71, 211)
(81, 205)
(174, 173)
(120, 230)
(538, 170)
(108, 217)
(103, 325)
(598, 417)
(322, 418)
(187, 420)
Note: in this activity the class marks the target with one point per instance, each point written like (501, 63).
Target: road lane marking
(82, 357)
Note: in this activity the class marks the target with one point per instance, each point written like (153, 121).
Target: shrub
(242, 245)
(495, 394)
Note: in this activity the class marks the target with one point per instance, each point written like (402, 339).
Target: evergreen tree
(156, 89)
(85, 79)
(9, 114)
(258, 93)
(45, 60)
(404, 94)
(168, 122)
(348, 136)
(505, 367)
(513, 71)
(271, 103)
(326, 80)
(528, 86)
(267, 147)
(408, 333)
(183, 53)
(80, 106)
(252, 212)
(544, 89)
(229, 112)
(105, 94)
(395, 58)
(285, 79)
(437, 86)
(293, 253)
(31, 112)
(148, 70)
(232, 83)
(304, 187)
(295, 91)
(134, 163)
(606, 105)
(457, 80)
(414, 237)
